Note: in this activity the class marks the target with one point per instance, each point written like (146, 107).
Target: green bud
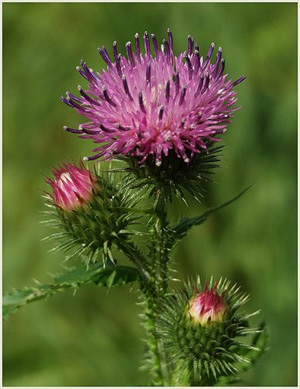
(201, 330)
(92, 226)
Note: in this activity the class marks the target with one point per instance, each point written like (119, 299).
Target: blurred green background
(93, 339)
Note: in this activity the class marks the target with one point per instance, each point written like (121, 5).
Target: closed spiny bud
(72, 186)
(89, 209)
(202, 331)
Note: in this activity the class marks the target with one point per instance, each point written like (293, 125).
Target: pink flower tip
(207, 307)
(72, 186)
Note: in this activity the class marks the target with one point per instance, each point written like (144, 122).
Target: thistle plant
(159, 118)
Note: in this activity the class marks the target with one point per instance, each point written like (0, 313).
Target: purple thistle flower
(148, 104)
(72, 186)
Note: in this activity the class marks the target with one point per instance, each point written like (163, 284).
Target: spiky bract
(174, 176)
(201, 354)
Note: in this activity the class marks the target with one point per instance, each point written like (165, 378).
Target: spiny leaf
(73, 278)
(117, 275)
(182, 228)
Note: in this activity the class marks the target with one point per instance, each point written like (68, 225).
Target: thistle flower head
(72, 186)
(207, 307)
(154, 104)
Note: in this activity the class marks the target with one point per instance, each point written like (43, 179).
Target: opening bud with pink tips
(204, 334)
(90, 210)
(72, 187)
(207, 307)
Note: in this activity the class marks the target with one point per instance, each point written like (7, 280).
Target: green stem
(137, 258)
(159, 278)
(155, 349)
(162, 251)
(154, 274)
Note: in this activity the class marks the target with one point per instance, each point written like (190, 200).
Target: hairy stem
(159, 276)
(157, 363)
(137, 258)
(162, 257)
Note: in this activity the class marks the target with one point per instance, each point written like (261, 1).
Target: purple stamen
(123, 128)
(168, 91)
(115, 50)
(90, 76)
(90, 132)
(72, 130)
(74, 104)
(182, 96)
(93, 157)
(197, 62)
(155, 45)
(199, 86)
(161, 112)
(170, 36)
(218, 59)
(66, 101)
(137, 45)
(129, 54)
(87, 97)
(167, 49)
(105, 56)
(206, 83)
(105, 129)
(210, 51)
(141, 102)
(125, 85)
(221, 70)
(82, 73)
(241, 79)
(73, 97)
(177, 83)
(118, 65)
(190, 45)
(107, 98)
(148, 73)
(147, 44)
(189, 65)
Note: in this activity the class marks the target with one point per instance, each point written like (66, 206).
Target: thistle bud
(201, 331)
(89, 208)
(72, 186)
(207, 307)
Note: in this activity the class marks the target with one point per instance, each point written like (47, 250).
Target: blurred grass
(94, 338)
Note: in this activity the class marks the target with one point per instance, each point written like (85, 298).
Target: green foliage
(73, 278)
